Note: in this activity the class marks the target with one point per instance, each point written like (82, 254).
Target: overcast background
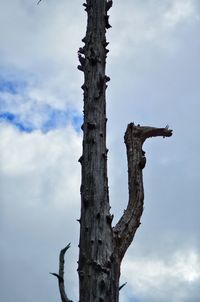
(154, 68)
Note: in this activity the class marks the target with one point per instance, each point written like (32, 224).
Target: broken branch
(121, 286)
(127, 225)
(60, 275)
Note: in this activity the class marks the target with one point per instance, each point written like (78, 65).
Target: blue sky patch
(36, 116)
(14, 120)
(77, 121)
(51, 119)
(56, 118)
(10, 86)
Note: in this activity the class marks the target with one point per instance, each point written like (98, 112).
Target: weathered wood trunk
(98, 281)
(102, 247)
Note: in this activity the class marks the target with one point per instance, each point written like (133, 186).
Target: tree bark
(97, 279)
(127, 225)
(101, 246)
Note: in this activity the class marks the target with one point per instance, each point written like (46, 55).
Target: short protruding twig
(121, 286)
(60, 275)
(39, 2)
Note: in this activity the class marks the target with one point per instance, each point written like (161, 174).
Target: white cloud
(151, 279)
(148, 25)
(45, 33)
(179, 12)
(45, 160)
(40, 46)
(40, 198)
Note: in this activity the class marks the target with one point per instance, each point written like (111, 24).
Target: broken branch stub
(127, 225)
(60, 275)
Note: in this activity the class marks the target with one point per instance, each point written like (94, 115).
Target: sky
(154, 71)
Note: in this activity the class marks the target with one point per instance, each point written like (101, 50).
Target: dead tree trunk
(102, 246)
(98, 278)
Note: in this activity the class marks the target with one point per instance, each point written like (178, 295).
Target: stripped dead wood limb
(60, 275)
(126, 227)
(121, 286)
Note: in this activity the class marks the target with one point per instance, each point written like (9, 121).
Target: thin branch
(39, 2)
(60, 275)
(121, 286)
(127, 225)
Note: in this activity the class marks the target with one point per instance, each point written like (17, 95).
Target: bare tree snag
(96, 277)
(102, 246)
(60, 275)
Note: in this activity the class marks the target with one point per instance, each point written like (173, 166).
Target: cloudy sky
(154, 68)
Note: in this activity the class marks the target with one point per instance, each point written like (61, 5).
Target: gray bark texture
(102, 246)
(97, 274)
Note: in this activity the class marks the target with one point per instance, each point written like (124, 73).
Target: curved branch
(60, 275)
(121, 286)
(127, 225)
(147, 132)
